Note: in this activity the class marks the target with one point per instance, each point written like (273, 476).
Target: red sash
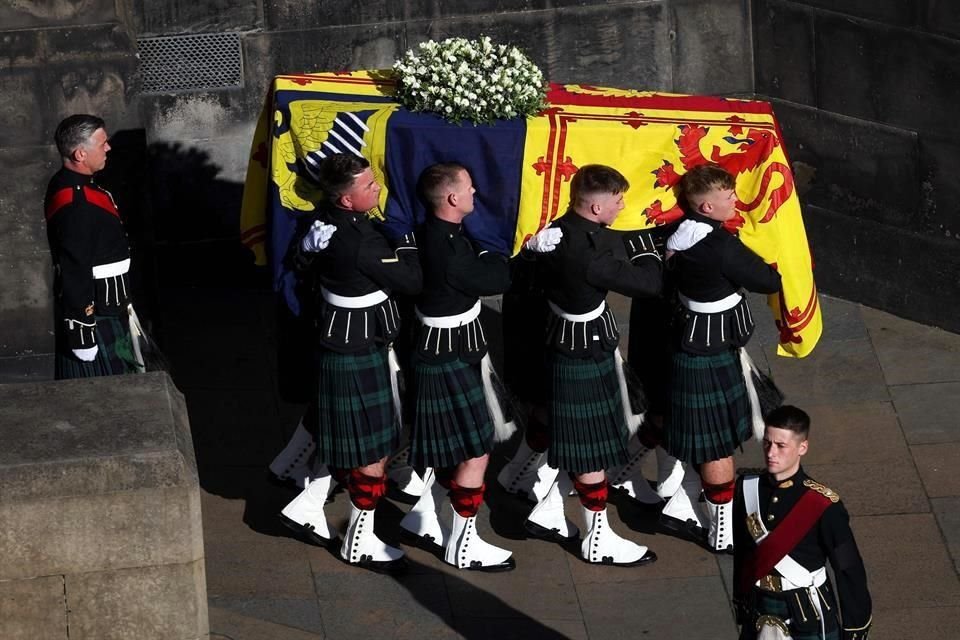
(97, 198)
(782, 540)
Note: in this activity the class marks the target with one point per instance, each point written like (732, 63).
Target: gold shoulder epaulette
(827, 492)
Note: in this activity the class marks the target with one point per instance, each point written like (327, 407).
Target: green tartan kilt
(114, 356)
(356, 420)
(589, 431)
(451, 423)
(709, 414)
(779, 605)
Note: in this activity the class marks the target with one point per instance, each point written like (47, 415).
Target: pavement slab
(912, 353)
(230, 625)
(929, 623)
(928, 411)
(938, 464)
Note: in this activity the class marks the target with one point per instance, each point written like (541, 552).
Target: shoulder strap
(67, 195)
(782, 540)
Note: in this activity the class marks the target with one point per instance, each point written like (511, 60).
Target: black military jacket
(358, 261)
(590, 261)
(830, 539)
(84, 231)
(455, 275)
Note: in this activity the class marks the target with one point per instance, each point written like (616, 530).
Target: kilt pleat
(589, 432)
(451, 422)
(356, 423)
(114, 356)
(709, 414)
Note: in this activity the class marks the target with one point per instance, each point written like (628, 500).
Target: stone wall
(100, 529)
(867, 94)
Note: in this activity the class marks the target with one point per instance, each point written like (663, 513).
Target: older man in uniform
(91, 257)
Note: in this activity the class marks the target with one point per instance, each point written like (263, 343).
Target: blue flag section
(493, 154)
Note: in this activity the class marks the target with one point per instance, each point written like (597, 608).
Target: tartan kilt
(356, 420)
(589, 432)
(709, 414)
(451, 423)
(114, 356)
(776, 604)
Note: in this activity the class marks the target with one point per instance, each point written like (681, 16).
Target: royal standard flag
(522, 169)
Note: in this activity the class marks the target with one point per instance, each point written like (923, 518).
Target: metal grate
(190, 63)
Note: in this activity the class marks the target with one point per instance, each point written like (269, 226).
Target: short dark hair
(435, 180)
(596, 178)
(337, 173)
(703, 179)
(75, 131)
(790, 418)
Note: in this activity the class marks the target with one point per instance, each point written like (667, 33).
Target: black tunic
(358, 261)
(829, 539)
(455, 275)
(84, 231)
(590, 261)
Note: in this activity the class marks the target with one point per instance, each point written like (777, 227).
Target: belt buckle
(771, 583)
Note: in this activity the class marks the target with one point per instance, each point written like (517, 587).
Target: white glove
(87, 355)
(545, 241)
(318, 237)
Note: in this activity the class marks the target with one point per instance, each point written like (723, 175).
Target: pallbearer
(588, 404)
(358, 419)
(456, 412)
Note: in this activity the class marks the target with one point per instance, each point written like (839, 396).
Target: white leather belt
(354, 302)
(716, 306)
(111, 269)
(450, 322)
(578, 317)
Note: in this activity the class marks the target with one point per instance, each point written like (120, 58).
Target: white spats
(602, 545)
(305, 513)
(402, 474)
(423, 520)
(669, 474)
(467, 550)
(720, 534)
(362, 547)
(293, 463)
(527, 474)
(630, 478)
(682, 511)
(548, 520)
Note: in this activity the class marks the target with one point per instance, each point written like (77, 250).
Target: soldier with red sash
(91, 257)
(786, 526)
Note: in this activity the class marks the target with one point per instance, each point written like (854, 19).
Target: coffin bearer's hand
(318, 237)
(545, 241)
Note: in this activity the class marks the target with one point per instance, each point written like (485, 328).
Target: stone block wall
(100, 528)
(867, 94)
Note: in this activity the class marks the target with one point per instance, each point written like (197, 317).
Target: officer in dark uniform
(91, 257)
(786, 526)
(455, 412)
(588, 407)
(357, 271)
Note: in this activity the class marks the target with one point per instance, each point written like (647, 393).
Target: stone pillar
(100, 529)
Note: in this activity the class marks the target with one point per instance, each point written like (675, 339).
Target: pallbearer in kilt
(786, 527)
(356, 271)
(96, 328)
(710, 412)
(588, 407)
(455, 411)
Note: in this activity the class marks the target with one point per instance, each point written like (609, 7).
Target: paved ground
(882, 393)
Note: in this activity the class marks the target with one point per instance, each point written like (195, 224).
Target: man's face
(719, 204)
(364, 194)
(783, 449)
(93, 154)
(609, 206)
(463, 189)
